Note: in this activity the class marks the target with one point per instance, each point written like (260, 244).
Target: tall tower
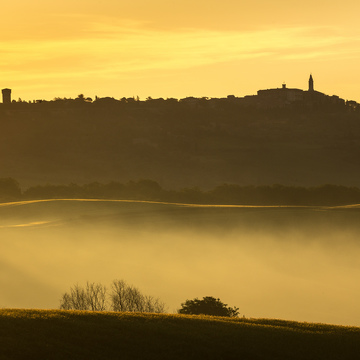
(311, 83)
(6, 94)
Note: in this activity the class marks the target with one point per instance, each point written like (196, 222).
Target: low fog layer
(290, 263)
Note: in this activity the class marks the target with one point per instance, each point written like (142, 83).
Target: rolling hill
(55, 334)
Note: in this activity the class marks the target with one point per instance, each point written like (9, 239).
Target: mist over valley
(298, 263)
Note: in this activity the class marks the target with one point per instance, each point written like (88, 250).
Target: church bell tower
(311, 83)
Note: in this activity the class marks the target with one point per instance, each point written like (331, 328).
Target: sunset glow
(163, 49)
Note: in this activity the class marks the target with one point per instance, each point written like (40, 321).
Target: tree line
(124, 297)
(226, 194)
(82, 101)
(120, 297)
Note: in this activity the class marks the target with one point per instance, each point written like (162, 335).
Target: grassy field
(55, 334)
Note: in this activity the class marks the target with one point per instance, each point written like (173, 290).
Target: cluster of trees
(125, 297)
(227, 194)
(82, 100)
(120, 297)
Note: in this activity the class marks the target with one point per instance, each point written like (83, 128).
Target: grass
(56, 334)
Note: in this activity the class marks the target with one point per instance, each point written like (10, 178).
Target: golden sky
(164, 48)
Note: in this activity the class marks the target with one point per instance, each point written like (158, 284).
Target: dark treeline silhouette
(199, 102)
(226, 194)
(179, 143)
(121, 297)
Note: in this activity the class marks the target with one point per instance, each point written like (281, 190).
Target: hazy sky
(164, 48)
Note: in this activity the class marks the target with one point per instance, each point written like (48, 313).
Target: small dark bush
(207, 306)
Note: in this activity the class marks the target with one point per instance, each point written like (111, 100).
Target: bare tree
(118, 295)
(65, 302)
(122, 297)
(154, 305)
(75, 300)
(93, 297)
(96, 296)
(129, 298)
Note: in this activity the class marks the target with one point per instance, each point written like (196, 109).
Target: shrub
(207, 306)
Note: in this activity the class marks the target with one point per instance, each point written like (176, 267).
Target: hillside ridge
(99, 335)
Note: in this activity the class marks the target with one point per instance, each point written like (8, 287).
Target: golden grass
(59, 334)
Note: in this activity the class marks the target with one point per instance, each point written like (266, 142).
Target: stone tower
(6, 94)
(311, 83)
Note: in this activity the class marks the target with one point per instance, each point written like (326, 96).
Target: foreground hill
(55, 334)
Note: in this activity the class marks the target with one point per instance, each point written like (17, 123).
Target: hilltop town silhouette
(267, 98)
(282, 136)
(284, 96)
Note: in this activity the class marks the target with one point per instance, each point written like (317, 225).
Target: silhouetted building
(279, 96)
(6, 94)
(284, 96)
(311, 83)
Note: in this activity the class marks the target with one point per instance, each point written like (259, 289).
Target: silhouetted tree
(207, 306)
(92, 297)
(123, 297)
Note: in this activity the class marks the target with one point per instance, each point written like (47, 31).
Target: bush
(207, 306)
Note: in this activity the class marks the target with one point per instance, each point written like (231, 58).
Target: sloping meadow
(55, 334)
